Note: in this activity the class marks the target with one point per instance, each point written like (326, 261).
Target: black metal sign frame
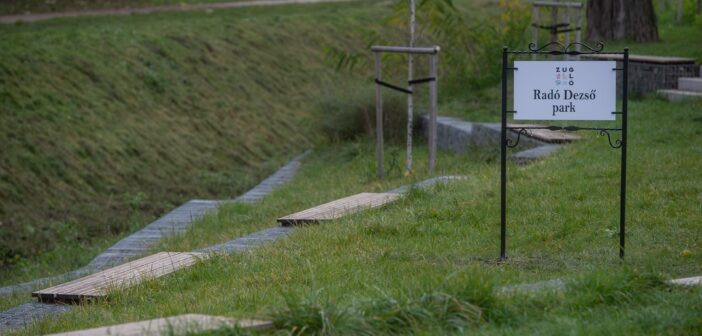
(558, 49)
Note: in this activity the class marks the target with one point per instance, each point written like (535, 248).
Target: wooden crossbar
(126, 275)
(557, 4)
(547, 135)
(339, 208)
(175, 325)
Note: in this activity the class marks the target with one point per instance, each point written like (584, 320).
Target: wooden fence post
(379, 157)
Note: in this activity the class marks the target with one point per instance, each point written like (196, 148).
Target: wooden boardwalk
(175, 325)
(98, 285)
(339, 208)
(547, 135)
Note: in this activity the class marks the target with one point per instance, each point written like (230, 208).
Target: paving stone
(248, 242)
(554, 284)
(176, 325)
(536, 153)
(679, 95)
(461, 136)
(690, 84)
(26, 314)
(692, 281)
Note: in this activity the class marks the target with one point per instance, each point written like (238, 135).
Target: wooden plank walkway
(98, 285)
(547, 135)
(339, 208)
(175, 325)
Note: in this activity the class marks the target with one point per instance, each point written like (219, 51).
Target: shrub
(348, 112)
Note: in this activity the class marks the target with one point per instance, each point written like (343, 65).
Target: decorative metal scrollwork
(617, 144)
(562, 49)
(598, 47)
(522, 131)
(534, 48)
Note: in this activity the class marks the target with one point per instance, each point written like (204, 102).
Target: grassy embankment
(427, 263)
(106, 123)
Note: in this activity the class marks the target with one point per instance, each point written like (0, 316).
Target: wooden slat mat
(175, 325)
(547, 135)
(339, 208)
(126, 275)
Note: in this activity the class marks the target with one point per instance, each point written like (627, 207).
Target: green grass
(676, 40)
(427, 263)
(106, 123)
(397, 268)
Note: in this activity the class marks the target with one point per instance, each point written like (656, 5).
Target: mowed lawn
(427, 263)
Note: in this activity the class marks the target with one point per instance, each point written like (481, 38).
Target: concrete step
(679, 95)
(690, 84)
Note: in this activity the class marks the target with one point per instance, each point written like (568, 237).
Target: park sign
(565, 90)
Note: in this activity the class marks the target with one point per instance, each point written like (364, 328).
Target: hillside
(107, 122)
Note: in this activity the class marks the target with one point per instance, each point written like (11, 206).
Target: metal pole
(410, 98)
(380, 169)
(554, 22)
(535, 28)
(503, 161)
(578, 32)
(433, 111)
(567, 33)
(625, 144)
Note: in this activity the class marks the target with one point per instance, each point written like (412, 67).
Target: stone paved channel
(29, 313)
(135, 245)
(461, 136)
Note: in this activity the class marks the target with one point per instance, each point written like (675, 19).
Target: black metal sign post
(506, 142)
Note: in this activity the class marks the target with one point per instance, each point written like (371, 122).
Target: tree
(621, 20)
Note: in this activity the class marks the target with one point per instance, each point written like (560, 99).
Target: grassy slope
(106, 123)
(562, 215)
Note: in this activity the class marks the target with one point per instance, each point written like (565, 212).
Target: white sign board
(565, 90)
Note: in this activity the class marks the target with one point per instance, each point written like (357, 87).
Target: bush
(348, 112)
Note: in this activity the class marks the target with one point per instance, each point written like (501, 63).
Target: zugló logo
(564, 76)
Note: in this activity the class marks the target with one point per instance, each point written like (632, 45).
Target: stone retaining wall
(651, 73)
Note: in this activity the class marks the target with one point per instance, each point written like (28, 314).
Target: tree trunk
(633, 20)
